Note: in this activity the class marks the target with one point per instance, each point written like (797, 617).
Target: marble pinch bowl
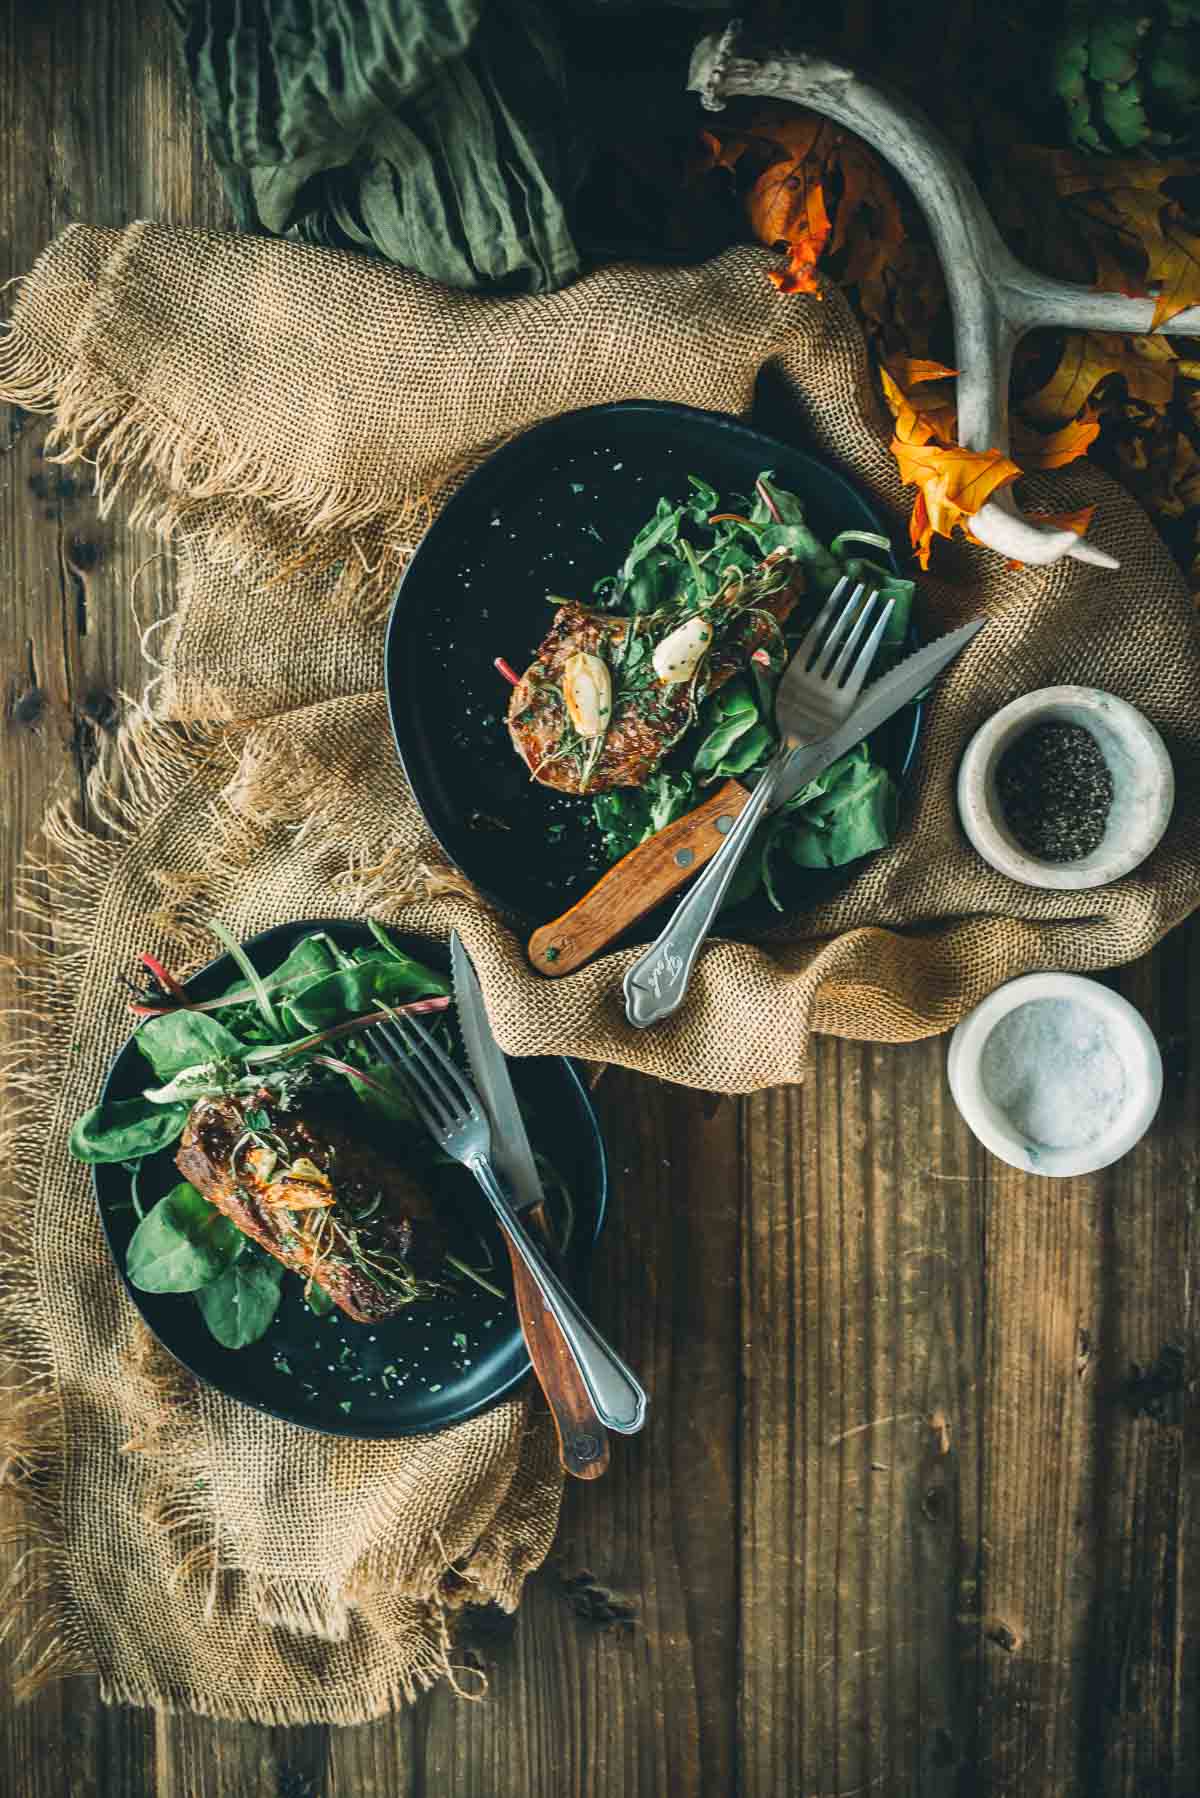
(1131, 1038)
(1142, 775)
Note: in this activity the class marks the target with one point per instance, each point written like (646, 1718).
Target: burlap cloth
(289, 416)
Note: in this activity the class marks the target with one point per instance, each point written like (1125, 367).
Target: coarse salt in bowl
(1055, 1074)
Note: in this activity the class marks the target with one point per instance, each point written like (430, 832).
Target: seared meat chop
(322, 1201)
(648, 714)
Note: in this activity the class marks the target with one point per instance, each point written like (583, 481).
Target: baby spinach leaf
(864, 818)
(854, 817)
(384, 939)
(182, 1039)
(750, 749)
(253, 977)
(182, 1244)
(204, 1081)
(125, 1130)
(240, 1303)
(623, 816)
(728, 715)
(363, 986)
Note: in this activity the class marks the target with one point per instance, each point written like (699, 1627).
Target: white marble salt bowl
(1142, 776)
(1131, 1040)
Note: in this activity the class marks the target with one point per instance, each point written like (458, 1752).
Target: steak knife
(583, 1441)
(663, 863)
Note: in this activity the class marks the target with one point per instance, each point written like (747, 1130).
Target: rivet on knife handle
(637, 883)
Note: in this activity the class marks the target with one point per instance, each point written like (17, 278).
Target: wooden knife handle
(637, 883)
(582, 1438)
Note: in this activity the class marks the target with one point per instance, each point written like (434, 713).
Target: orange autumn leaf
(938, 405)
(953, 483)
(786, 206)
(1140, 237)
(716, 153)
(1054, 449)
(910, 371)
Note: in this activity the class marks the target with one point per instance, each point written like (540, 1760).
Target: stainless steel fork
(816, 694)
(451, 1111)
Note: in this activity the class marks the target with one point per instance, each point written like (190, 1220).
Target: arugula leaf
(318, 1301)
(363, 986)
(704, 500)
(182, 1039)
(628, 815)
(125, 1130)
(182, 1244)
(239, 1305)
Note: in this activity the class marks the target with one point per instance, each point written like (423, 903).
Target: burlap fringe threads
(231, 503)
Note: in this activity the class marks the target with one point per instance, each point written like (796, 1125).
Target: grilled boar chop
(324, 1202)
(638, 712)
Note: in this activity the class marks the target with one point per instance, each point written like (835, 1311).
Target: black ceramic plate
(431, 1365)
(550, 513)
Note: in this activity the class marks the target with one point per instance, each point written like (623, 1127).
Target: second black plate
(431, 1364)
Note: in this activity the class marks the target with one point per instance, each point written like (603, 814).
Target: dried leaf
(1054, 449)
(786, 206)
(1140, 237)
(1176, 270)
(1089, 357)
(910, 371)
(953, 483)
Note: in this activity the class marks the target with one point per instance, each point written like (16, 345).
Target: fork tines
(439, 1091)
(831, 640)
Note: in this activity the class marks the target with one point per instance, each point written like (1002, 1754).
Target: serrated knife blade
(881, 700)
(511, 1155)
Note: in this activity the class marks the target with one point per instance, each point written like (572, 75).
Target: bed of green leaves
(266, 1030)
(680, 560)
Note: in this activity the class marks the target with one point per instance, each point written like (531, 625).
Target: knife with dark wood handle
(637, 883)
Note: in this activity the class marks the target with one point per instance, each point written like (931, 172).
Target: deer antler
(994, 298)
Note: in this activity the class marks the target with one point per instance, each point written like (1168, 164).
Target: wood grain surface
(913, 1512)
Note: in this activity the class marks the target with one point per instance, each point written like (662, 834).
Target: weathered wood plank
(197, 1757)
(861, 1300)
(619, 1676)
(94, 125)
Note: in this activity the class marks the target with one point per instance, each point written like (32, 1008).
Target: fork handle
(619, 1400)
(658, 980)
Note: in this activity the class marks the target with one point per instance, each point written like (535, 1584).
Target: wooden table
(913, 1509)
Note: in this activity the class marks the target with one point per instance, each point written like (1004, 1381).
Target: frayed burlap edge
(59, 888)
(55, 904)
(231, 504)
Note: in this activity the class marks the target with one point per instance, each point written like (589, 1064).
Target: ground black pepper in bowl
(1056, 790)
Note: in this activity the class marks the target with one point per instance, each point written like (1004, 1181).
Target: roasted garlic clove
(587, 690)
(676, 658)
